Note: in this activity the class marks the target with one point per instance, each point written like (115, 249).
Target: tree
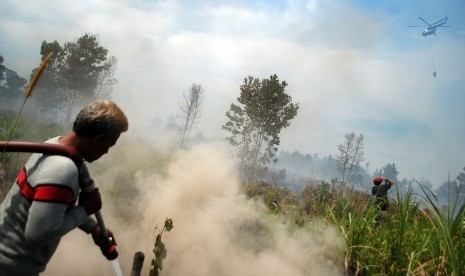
(390, 172)
(51, 86)
(461, 183)
(79, 72)
(403, 186)
(2, 69)
(84, 63)
(378, 172)
(106, 80)
(255, 123)
(190, 110)
(461, 177)
(448, 192)
(350, 155)
(11, 86)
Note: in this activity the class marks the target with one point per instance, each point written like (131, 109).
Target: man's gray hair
(100, 117)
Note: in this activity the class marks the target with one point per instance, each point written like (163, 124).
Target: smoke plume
(217, 229)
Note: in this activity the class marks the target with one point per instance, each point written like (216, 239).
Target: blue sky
(353, 66)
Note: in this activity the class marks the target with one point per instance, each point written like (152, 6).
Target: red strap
(48, 193)
(25, 189)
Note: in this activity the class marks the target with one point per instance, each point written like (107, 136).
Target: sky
(352, 66)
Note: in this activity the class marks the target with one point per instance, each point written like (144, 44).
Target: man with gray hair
(41, 206)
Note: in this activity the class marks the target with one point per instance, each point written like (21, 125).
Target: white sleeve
(48, 221)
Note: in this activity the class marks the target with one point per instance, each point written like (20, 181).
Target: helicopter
(431, 28)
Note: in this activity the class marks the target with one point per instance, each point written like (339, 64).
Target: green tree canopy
(78, 72)
(390, 171)
(255, 123)
(11, 87)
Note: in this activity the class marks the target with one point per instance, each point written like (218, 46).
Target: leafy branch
(160, 250)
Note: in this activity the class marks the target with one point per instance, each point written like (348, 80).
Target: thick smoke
(217, 230)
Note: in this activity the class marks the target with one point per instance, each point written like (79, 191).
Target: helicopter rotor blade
(424, 21)
(442, 21)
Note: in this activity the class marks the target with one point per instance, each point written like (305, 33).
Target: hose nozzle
(110, 252)
(108, 249)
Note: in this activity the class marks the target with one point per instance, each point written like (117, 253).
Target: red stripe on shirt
(51, 193)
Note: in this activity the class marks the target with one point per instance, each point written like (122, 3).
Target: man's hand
(389, 181)
(92, 202)
(107, 245)
(97, 235)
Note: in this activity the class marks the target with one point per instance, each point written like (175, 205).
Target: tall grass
(448, 225)
(35, 78)
(415, 236)
(7, 123)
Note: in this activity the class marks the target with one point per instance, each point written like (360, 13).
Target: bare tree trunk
(351, 154)
(190, 109)
(256, 151)
(137, 264)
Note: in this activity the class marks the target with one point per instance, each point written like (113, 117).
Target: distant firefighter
(380, 190)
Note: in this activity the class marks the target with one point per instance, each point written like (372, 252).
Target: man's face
(99, 146)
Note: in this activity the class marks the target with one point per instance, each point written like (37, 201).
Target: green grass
(448, 225)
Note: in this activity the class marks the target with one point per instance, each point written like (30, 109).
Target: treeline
(78, 72)
(11, 86)
(297, 170)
